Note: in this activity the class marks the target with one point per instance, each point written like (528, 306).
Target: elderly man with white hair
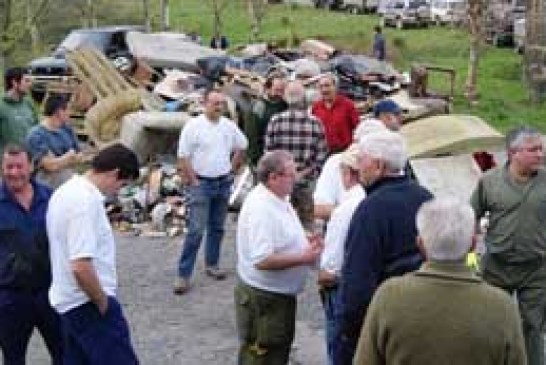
(443, 313)
(381, 240)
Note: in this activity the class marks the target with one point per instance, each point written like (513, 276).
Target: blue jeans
(20, 312)
(92, 338)
(208, 205)
(328, 298)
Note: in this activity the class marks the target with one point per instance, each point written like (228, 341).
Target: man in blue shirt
(24, 262)
(379, 44)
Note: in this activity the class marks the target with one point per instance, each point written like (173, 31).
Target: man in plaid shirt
(301, 134)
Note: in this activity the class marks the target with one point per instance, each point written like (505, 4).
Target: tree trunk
(32, 27)
(476, 11)
(165, 15)
(146, 11)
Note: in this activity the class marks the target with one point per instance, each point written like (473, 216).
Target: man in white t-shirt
(211, 148)
(336, 232)
(82, 254)
(274, 255)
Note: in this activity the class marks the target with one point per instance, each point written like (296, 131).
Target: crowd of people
(334, 196)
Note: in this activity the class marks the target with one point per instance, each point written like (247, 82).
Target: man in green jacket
(514, 194)
(442, 313)
(262, 110)
(17, 114)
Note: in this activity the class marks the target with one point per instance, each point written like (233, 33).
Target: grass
(504, 100)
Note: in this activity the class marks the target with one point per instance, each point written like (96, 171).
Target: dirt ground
(198, 327)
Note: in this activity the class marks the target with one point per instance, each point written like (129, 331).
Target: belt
(221, 177)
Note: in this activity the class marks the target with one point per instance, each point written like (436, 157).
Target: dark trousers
(95, 339)
(266, 324)
(528, 281)
(20, 313)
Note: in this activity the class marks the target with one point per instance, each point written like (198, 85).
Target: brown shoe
(181, 285)
(215, 273)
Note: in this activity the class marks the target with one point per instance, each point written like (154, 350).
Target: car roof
(110, 28)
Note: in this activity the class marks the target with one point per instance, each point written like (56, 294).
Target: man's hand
(313, 251)
(326, 278)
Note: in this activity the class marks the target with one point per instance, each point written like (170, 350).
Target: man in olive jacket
(443, 313)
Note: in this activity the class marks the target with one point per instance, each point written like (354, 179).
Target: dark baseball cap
(386, 106)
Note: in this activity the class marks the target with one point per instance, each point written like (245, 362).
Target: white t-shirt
(329, 187)
(338, 228)
(78, 227)
(268, 225)
(208, 145)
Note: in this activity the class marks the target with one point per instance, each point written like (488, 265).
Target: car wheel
(399, 24)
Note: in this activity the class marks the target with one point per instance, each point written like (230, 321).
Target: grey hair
(386, 146)
(446, 226)
(294, 94)
(331, 76)
(272, 162)
(518, 135)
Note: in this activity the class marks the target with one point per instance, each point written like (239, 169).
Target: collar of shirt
(448, 269)
(385, 181)
(41, 193)
(278, 202)
(90, 186)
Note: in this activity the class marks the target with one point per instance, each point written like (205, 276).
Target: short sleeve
(37, 146)
(81, 235)
(261, 235)
(185, 140)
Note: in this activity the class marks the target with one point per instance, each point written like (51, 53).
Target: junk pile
(146, 105)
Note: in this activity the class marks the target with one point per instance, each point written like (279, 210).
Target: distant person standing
(337, 114)
(219, 42)
(379, 46)
(17, 114)
(210, 150)
(263, 109)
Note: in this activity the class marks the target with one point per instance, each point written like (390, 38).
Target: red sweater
(339, 122)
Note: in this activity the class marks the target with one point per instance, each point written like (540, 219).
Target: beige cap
(350, 157)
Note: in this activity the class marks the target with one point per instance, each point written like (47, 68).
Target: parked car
(360, 6)
(109, 40)
(499, 21)
(448, 11)
(403, 13)
(519, 35)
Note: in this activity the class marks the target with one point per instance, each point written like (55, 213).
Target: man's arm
(237, 160)
(186, 172)
(280, 261)
(323, 211)
(87, 280)
(51, 163)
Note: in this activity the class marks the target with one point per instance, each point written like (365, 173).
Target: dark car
(108, 40)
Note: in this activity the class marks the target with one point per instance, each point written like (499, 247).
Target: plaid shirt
(301, 134)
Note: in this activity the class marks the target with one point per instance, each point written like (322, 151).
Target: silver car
(404, 13)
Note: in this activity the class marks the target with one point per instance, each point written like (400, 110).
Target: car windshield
(416, 4)
(76, 39)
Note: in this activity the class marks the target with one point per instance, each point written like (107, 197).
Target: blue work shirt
(24, 249)
(41, 140)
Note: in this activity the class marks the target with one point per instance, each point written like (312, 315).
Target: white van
(448, 11)
(360, 6)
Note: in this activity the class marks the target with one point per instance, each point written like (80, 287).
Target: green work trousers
(527, 280)
(265, 324)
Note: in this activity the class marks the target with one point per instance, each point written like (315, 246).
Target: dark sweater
(380, 244)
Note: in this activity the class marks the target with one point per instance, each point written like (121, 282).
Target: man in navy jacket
(381, 239)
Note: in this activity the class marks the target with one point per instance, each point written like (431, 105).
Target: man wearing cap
(336, 233)
(388, 112)
(337, 113)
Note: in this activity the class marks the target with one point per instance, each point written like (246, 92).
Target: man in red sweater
(337, 113)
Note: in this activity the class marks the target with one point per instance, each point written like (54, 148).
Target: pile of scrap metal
(155, 206)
